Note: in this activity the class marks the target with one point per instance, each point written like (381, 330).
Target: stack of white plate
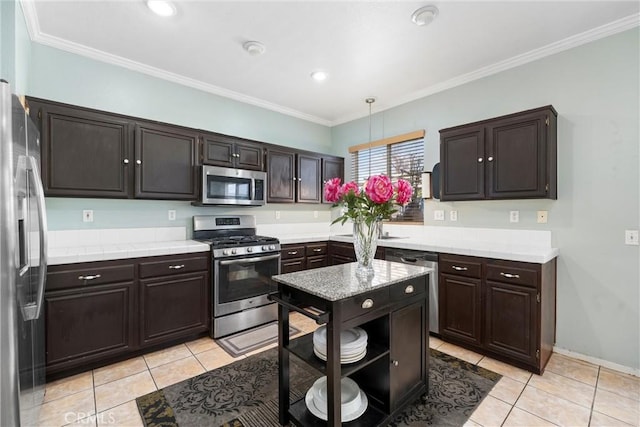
(354, 401)
(353, 344)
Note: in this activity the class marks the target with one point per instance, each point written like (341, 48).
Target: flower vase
(365, 243)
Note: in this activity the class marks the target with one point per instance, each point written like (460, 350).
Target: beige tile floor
(570, 393)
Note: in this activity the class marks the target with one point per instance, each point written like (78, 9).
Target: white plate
(343, 360)
(343, 353)
(308, 400)
(349, 338)
(349, 394)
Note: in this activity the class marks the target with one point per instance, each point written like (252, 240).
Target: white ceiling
(368, 48)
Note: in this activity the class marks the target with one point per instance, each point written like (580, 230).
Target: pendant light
(370, 101)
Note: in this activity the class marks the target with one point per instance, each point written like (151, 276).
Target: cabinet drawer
(406, 290)
(460, 265)
(513, 272)
(78, 275)
(356, 306)
(172, 266)
(314, 249)
(292, 251)
(292, 266)
(343, 249)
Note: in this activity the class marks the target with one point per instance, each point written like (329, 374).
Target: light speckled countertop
(340, 281)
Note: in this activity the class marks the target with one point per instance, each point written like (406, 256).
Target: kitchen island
(391, 306)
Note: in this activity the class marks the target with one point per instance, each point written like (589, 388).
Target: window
(398, 157)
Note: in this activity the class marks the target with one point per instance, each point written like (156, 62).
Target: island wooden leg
(334, 392)
(283, 364)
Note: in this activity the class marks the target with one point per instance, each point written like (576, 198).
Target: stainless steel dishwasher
(424, 259)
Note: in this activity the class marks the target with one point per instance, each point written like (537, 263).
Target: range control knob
(265, 248)
(249, 249)
(225, 252)
(272, 247)
(233, 251)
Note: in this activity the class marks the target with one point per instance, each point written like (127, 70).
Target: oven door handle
(249, 260)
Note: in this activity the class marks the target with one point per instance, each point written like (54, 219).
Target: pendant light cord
(370, 101)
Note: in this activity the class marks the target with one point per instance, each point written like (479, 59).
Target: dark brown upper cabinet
(508, 157)
(332, 167)
(293, 177)
(84, 153)
(165, 160)
(230, 152)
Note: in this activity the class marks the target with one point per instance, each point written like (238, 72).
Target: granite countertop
(340, 281)
(485, 249)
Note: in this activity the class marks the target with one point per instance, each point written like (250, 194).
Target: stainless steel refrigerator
(23, 265)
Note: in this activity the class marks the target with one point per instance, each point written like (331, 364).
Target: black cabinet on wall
(293, 177)
(230, 152)
(508, 157)
(332, 167)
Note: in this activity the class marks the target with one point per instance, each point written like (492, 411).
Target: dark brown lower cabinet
(343, 253)
(173, 307)
(303, 256)
(504, 309)
(100, 312)
(88, 324)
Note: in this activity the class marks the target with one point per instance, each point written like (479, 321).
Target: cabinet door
(292, 265)
(460, 308)
(87, 324)
(308, 184)
(217, 151)
(165, 162)
(511, 320)
(517, 157)
(84, 153)
(249, 156)
(408, 351)
(280, 176)
(331, 168)
(317, 261)
(462, 164)
(172, 307)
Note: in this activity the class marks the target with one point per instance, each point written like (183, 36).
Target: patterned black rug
(245, 394)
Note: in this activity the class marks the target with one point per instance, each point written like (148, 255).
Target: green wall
(595, 89)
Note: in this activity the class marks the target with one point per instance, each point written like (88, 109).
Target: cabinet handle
(126, 161)
(317, 250)
(456, 268)
(479, 159)
(292, 253)
(395, 363)
(510, 276)
(408, 289)
(89, 277)
(138, 162)
(490, 158)
(368, 303)
(176, 267)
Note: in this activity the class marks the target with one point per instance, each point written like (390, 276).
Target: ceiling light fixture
(254, 48)
(161, 7)
(425, 15)
(319, 75)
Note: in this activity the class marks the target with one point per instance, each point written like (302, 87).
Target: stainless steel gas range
(243, 264)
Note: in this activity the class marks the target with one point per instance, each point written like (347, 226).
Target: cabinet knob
(456, 268)
(510, 276)
(395, 363)
(126, 161)
(368, 303)
(408, 289)
(294, 178)
(490, 158)
(89, 277)
(299, 179)
(479, 159)
(138, 162)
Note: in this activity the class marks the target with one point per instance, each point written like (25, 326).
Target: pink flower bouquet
(375, 201)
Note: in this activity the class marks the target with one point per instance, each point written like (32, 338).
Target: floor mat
(252, 339)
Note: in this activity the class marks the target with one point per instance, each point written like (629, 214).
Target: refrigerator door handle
(42, 220)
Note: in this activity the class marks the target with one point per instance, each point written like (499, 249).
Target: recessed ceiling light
(161, 7)
(254, 48)
(319, 75)
(424, 15)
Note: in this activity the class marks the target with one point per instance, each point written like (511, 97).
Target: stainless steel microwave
(226, 186)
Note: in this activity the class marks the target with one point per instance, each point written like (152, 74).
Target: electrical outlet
(277, 214)
(542, 217)
(438, 215)
(172, 215)
(87, 216)
(514, 216)
(315, 214)
(631, 237)
(453, 215)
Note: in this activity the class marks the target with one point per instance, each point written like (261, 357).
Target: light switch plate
(514, 216)
(87, 216)
(631, 237)
(438, 215)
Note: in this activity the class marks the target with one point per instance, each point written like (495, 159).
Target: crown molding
(36, 35)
